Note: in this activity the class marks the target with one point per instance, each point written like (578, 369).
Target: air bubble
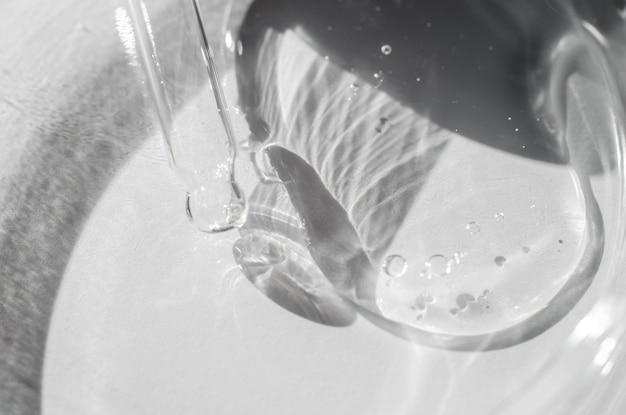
(395, 266)
(500, 261)
(437, 266)
(472, 227)
(463, 300)
(386, 49)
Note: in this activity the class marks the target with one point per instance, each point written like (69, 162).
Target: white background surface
(152, 318)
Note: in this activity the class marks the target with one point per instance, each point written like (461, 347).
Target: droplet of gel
(525, 249)
(395, 266)
(500, 261)
(216, 210)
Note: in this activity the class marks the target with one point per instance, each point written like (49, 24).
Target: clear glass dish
(409, 174)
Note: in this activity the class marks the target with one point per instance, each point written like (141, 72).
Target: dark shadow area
(475, 68)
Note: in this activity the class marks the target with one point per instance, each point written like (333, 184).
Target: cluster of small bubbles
(463, 300)
(386, 49)
(437, 266)
(472, 227)
(395, 266)
(498, 216)
(499, 260)
(533, 206)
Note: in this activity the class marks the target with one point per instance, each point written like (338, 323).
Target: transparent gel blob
(435, 206)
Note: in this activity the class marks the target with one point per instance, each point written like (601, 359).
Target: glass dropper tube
(201, 152)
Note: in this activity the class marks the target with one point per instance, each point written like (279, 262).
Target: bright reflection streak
(605, 351)
(124, 27)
